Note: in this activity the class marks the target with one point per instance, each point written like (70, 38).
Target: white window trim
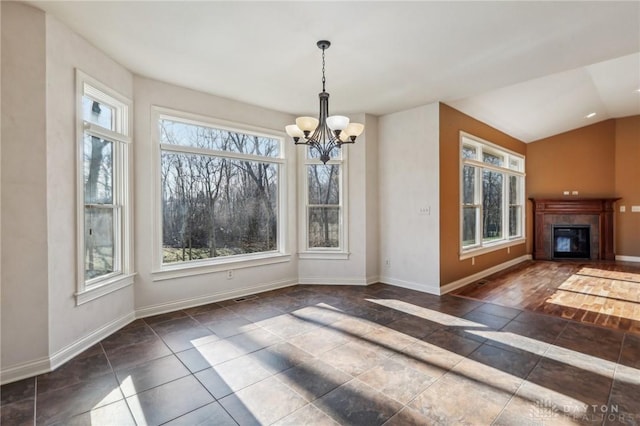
(481, 247)
(161, 271)
(323, 253)
(87, 290)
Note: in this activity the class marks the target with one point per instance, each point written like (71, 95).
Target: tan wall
(627, 185)
(603, 162)
(451, 123)
(579, 160)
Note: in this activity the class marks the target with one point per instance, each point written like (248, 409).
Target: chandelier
(327, 132)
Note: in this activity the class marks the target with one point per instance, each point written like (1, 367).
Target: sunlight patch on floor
(612, 275)
(428, 314)
(600, 305)
(626, 291)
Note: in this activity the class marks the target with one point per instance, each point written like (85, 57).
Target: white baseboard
(47, 364)
(24, 370)
(425, 288)
(373, 279)
(162, 308)
(333, 281)
(628, 258)
(84, 343)
(479, 275)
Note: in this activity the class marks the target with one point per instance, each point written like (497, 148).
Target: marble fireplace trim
(566, 219)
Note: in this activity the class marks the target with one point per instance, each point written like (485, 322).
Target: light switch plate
(623, 209)
(635, 209)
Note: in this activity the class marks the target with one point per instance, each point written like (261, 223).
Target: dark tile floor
(320, 355)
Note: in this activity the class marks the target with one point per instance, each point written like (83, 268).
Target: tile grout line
(35, 400)
(613, 378)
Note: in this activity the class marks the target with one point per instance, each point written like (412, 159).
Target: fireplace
(571, 242)
(596, 214)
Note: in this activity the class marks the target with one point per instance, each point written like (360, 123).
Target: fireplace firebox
(571, 242)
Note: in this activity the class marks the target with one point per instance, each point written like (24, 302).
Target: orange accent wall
(627, 185)
(452, 122)
(579, 160)
(600, 160)
(603, 161)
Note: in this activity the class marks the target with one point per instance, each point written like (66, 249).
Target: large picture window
(492, 196)
(219, 192)
(104, 232)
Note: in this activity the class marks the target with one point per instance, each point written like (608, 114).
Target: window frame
(330, 253)
(481, 146)
(120, 137)
(164, 271)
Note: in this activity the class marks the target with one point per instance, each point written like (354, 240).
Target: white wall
(358, 268)
(164, 295)
(25, 335)
(408, 173)
(72, 327)
(372, 243)
(41, 324)
(393, 172)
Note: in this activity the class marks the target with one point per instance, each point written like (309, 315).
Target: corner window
(104, 225)
(492, 196)
(219, 193)
(324, 209)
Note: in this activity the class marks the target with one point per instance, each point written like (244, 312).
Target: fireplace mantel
(548, 211)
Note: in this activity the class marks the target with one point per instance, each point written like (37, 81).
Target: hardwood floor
(606, 294)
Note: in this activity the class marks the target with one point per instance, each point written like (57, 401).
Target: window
(104, 225)
(324, 206)
(220, 193)
(492, 196)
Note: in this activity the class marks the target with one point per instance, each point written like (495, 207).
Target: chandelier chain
(323, 79)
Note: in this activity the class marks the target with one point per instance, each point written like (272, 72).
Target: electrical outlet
(230, 274)
(623, 209)
(574, 192)
(424, 211)
(565, 192)
(387, 263)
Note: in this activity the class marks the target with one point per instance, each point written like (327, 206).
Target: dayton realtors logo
(547, 410)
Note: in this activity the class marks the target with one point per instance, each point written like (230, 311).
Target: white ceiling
(530, 69)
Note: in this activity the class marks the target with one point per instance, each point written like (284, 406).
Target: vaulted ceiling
(530, 69)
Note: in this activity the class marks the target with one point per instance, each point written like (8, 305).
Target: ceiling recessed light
(591, 114)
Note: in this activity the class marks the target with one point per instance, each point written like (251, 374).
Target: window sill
(98, 290)
(324, 255)
(466, 254)
(188, 269)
